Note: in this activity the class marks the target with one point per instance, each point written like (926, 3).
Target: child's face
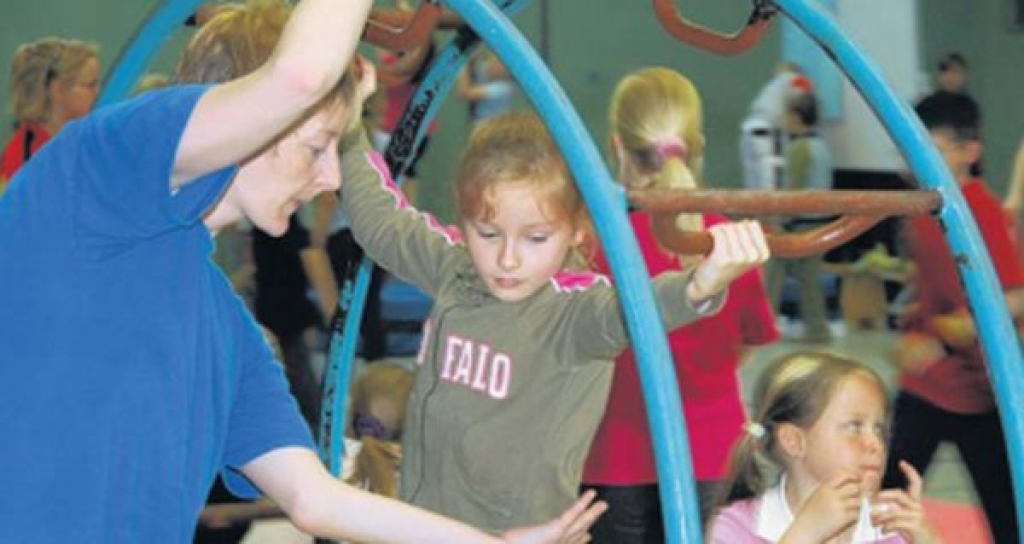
(75, 98)
(850, 435)
(958, 154)
(953, 78)
(300, 165)
(519, 249)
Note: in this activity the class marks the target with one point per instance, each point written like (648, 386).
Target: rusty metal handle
(398, 30)
(789, 245)
(749, 202)
(861, 210)
(709, 40)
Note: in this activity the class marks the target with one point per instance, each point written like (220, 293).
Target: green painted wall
(994, 50)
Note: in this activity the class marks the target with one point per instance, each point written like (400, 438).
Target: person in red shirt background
(53, 81)
(945, 393)
(657, 136)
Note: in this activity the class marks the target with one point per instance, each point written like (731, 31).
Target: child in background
(762, 142)
(822, 420)
(515, 366)
(487, 86)
(53, 81)
(808, 167)
(373, 453)
(658, 141)
(945, 393)
(412, 66)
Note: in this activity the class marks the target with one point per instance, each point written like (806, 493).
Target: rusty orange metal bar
(723, 44)
(789, 245)
(787, 202)
(861, 210)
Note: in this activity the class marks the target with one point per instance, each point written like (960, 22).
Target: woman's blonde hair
(38, 64)
(794, 389)
(383, 385)
(656, 114)
(517, 148)
(237, 40)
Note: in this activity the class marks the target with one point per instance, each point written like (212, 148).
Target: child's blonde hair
(517, 148)
(656, 114)
(152, 82)
(379, 399)
(793, 389)
(38, 64)
(240, 38)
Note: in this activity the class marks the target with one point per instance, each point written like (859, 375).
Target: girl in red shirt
(53, 81)
(657, 135)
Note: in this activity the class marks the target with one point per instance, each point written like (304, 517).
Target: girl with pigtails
(822, 421)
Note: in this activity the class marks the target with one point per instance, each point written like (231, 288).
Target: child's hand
(956, 328)
(901, 511)
(833, 508)
(570, 528)
(738, 247)
(915, 352)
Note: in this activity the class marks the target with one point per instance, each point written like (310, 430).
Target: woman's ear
(792, 440)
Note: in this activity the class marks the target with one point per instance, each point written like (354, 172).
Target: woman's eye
(539, 238)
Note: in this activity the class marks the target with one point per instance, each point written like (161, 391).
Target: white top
(775, 517)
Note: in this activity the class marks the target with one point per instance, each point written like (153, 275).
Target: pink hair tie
(671, 147)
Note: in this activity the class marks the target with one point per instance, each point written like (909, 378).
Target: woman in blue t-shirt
(131, 373)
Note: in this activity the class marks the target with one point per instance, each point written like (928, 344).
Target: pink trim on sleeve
(565, 282)
(450, 233)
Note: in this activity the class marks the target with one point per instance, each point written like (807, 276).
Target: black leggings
(918, 429)
(634, 513)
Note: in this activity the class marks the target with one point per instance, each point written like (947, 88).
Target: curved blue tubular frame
(672, 451)
(998, 337)
(162, 21)
(411, 129)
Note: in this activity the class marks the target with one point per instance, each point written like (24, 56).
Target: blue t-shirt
(130, 373)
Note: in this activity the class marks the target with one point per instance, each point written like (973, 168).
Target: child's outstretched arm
(899, 510)
(738, 247)
(320, 505)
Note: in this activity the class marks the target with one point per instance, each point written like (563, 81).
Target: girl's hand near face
(738, 247)
(833, 508)
(898, 510)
